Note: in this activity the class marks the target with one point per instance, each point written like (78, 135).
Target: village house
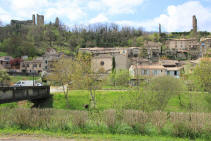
(5, 62)
(123, 58)
(40, 64)
(206, 42)
(104, 58)
(182, 44)
(205, 46)
(102, 63)
(182, 49)
(29, 67)
(167, 67)
(152, 50)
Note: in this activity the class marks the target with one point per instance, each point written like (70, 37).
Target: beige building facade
(182, 44)
(168, 68)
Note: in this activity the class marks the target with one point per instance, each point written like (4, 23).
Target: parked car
(27, 83)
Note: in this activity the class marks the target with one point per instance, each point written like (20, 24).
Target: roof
(183, 39)
(33, 61)
(103, 56)
(204, 39)
(148, 66)
(169, 62)
(200, 59)
(173, 68)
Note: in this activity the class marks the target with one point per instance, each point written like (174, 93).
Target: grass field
(3, 54)
(107, 98)
(16, 78)
(86, 137)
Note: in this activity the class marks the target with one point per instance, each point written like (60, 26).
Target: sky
(173, 15)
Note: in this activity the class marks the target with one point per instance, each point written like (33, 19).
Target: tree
(4, 78)
(63, 72)
(163, 88)
(86, 78)
(119, 78)
(202, 73)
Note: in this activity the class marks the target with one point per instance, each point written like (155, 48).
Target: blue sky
(174, 15)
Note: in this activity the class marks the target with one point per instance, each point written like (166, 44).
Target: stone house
(182, 44)
(34, 66)
(206, 42)
(205, 46)
(40, 64)
(171, 68)
(152, 50)
(104, 58)
(102, 63)
(182, 49)
(5, 61)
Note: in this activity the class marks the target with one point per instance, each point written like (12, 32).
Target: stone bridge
(36, 94)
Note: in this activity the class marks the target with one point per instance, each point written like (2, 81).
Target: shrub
(150, 129)
(167, 129)
(93, 127)
(124, 129)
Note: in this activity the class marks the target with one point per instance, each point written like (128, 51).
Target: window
(46, 61)
(175, 73)
(144, 72)
(23, 65)
(40, 65)
(102, 63)
(155, 72)
(27, 65)
(168, 72)
(34, 65)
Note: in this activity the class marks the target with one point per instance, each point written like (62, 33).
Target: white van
(27, 83)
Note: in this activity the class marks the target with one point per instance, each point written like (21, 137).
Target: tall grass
(192, 125)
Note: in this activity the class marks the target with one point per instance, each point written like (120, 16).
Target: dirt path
(22, 138)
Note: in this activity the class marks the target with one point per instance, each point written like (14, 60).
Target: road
(22, 138)
(59, 89)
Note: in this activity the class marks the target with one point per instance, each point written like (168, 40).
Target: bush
(183, 129)
(150, 129)
(167, 129)
(93, 127)
(119, 78)
(124, 129)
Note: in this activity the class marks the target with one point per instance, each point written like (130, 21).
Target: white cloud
(71, 10)
(113, 7)
(178, 18)
(68, 9)
(99, 19)
(122, 6)
(4, 16)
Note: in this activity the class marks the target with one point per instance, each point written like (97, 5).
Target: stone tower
(33, 19)
(159, 29)
(40, 19)
(194, 24)
(57, 23)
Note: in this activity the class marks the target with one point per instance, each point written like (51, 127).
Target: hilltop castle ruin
(194, 24)
(40, 21)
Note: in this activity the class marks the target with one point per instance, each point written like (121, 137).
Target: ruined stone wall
(194, 24)
(40, 19)
(17, 22)
(102, 63)
(33, 19)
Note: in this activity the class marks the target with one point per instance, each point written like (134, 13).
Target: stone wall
(13, 94)
(40, 19)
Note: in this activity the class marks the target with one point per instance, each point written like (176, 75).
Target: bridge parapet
(13, 94)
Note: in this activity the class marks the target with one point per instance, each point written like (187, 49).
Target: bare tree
(63, 72)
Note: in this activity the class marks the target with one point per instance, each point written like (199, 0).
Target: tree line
(18, 40)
